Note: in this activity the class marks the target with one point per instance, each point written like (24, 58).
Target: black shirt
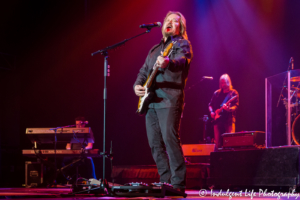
(169, 82)
(217, 102)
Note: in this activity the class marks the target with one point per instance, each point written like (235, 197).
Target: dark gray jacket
(169, 82)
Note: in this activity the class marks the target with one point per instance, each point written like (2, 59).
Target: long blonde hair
(182, 23)
(227, 80)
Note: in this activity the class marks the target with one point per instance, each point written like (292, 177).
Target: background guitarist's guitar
(218, 111)
(145, 100)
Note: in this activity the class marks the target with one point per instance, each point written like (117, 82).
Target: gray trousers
(163, 136)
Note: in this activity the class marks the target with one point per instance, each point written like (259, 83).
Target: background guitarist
(226, 122)
(163, 114)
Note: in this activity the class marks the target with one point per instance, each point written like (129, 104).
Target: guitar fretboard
(149, 83)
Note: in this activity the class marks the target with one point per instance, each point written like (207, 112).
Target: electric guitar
(145, 100)
(218, 111)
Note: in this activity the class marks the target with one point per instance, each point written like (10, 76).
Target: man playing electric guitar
(222, 107)
(164, 111)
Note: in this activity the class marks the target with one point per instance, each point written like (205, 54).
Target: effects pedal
(143, 190)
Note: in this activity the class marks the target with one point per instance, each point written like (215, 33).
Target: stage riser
(196, 175)
(198, 159)
(252, 182)
(265, 167)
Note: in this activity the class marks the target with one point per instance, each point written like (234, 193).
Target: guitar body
(145, 100)
(217, 114)
(218, 111)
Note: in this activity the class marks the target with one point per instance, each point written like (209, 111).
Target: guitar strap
(226, 98)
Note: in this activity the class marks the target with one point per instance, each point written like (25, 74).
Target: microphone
(292, 63)
(155, 24)
(208, 77)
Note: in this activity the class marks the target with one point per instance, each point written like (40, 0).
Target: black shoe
(180, 189)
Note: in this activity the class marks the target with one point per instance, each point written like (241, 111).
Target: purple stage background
(56, 79)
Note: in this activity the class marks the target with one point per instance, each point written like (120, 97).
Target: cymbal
(295, 79)
(295, 88)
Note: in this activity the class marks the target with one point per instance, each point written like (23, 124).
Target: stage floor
(62, 193)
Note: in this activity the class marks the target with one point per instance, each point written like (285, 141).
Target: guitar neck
(229, 101)
(151, 78)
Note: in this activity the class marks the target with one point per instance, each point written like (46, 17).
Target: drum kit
(295, 108)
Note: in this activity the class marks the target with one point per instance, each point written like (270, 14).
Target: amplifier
(197, 149)
(246, 139)
(33, 174)
(197, 153)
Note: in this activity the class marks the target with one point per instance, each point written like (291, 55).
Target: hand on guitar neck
(162, 61)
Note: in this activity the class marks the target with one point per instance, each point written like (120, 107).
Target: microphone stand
(196, 83)
(205, 120)
(104, 51)
(104, 184)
